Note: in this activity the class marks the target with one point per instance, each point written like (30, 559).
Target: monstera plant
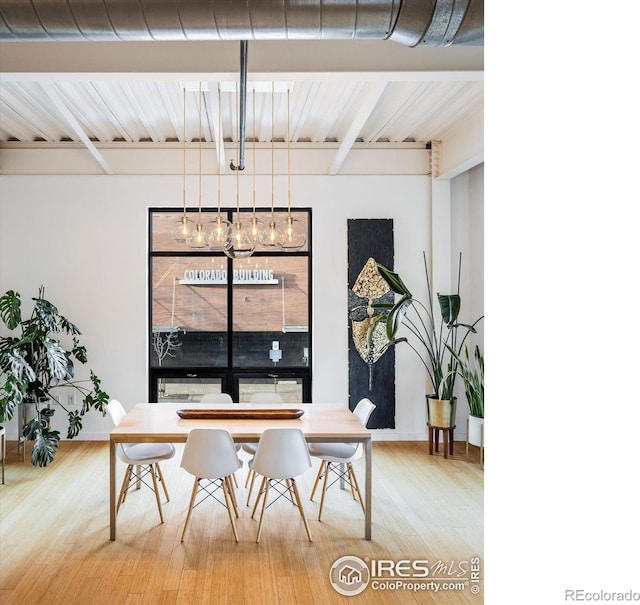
(34, 363)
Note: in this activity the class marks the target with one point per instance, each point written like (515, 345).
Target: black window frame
(229, 375)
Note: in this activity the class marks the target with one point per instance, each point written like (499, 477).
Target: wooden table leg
(112, 489)
(367, 489)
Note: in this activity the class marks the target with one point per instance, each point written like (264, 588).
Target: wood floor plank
(54, 523)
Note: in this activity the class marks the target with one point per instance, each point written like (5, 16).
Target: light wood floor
(55, 547)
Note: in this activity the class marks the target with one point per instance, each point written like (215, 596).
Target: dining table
(172, 423)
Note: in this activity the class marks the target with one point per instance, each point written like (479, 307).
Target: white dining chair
(142, 460)
(338, 458)
(220, 398)
(210, 456)
(281, 456)
(266, 397)
(260, 398)
(216, 398)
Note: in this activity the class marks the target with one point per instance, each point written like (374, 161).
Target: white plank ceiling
(94, 109)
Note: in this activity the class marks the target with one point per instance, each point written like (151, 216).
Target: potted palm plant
(34, 363)
(438, 344)
(471, 371)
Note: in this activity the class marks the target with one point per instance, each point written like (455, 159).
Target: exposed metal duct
(409, 22)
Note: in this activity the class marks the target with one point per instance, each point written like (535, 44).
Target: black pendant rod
(243, 105)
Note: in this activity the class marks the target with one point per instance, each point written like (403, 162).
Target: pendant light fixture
(292, 233)
(256, 228)
(271, 236)
(218, 229)
(183, 227)
(239, 244)
(197, 238)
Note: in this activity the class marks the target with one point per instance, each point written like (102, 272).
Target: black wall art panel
(371, 373)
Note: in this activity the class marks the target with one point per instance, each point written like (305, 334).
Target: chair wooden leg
(304, 518)
(253, 478)
(228, 486)
(313, 492)
(125, 484)
(249, 474)
(290, 490)
(155, 491)
(227, 490)
(255, 506)
(164, 485)
(354, 483)
(194, 491)
(350, 472)
(264, 503)
(324, 489)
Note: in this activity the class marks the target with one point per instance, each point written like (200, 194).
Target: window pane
(186, 389)
(189, 312)
(271, 312)
(289, 389)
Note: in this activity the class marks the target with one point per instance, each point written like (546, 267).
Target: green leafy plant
(472, 374)
(437, 344)
(34, 363)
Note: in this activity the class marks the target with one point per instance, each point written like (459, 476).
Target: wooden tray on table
(240, 414)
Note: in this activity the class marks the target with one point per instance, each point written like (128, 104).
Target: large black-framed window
(231, 325)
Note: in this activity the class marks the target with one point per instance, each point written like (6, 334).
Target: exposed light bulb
(183, 228)
(218, 233)
(198, 239)
(256, 229)
(292, 234)
(239, 244)
(271, 236)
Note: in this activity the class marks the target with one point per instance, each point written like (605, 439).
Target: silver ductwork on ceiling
(409, 22)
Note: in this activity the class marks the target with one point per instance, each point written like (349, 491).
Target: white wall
(85, 238)
(467, 236)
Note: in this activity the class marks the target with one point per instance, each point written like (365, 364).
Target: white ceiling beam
(214, 118)
(463, 147)
(174, 111)
(142, 112)
(273, 57)
(402, 100)
(343, 97)
(73, 123)
(368, 102)
(105, 98)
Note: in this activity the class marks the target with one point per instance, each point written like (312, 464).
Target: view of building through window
(221, 324)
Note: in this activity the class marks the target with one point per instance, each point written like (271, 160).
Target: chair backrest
(210, 453)
(216, 398)
(363, 410)
(116, 411)
(266, 397)
(282, 454)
